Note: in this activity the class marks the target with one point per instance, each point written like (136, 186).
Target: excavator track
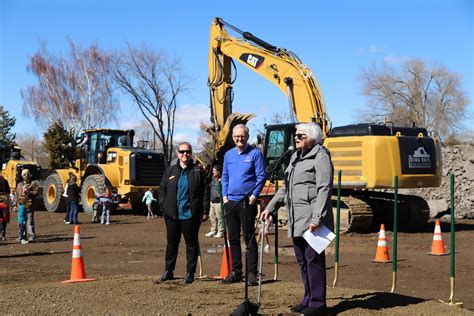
(364, 211)
(356, 214)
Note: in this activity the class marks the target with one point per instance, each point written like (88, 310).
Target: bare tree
(426, 97)
(75, 90)
(154, 81)
(33, 148)
(144, 136)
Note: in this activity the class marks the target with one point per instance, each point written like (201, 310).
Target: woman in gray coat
(306, 192)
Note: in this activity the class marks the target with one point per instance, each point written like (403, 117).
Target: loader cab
(97, 142)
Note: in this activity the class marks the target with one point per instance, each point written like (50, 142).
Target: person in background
(106, 199)
(96, 209)
(243, 177)
(4, 186)
(4, 215)
(68, 206)
(149, 199)
(307, 189)
(73, 196)
(22, 219)
(215, 214)
(184, 199)
(29, 190)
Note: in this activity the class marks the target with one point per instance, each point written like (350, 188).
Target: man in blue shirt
(243, 177)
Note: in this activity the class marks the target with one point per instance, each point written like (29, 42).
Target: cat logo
(253, 60)
(419, 159)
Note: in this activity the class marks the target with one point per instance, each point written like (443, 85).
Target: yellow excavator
(369, 155)
(108, 159)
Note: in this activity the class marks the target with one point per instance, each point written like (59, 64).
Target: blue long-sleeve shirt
(241, 173)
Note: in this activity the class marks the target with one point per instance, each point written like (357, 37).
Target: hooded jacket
(306, 191)
(198, 190)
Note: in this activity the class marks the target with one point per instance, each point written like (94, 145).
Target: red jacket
(4, 213)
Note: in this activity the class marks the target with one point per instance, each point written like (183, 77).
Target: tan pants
(215, 215)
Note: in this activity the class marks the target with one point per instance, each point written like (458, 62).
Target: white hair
(243, 126)
(313, 131)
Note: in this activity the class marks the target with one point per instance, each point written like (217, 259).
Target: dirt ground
(128, 255)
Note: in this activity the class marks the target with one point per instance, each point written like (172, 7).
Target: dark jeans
(74, 208)
(190, 229)
(22, 229)
(242, 215)
(68, 211)
(313, 273)
(3, 229)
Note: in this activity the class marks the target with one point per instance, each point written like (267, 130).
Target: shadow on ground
(33, 254)
(373, 301)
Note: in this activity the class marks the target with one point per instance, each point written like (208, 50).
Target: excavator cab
(278, 139)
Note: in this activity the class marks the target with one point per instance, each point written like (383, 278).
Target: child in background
(22, 218)
(106, 200)
(149, 199)
(95, 209)
(4, 216)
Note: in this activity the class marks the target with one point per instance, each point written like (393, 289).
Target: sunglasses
(300, 136)
(189, 152)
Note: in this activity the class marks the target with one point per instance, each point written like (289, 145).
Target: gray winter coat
(306, 191)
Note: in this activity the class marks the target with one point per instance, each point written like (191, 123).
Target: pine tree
(6, 123)
(57, 140)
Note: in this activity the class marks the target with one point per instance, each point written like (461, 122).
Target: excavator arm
(279, 66)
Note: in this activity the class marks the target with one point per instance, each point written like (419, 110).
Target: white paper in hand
(319, 239)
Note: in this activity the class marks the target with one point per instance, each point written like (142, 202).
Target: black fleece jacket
(198, 189)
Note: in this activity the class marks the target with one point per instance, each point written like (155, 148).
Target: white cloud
(394, 60)
(372, 49)
(129, 123)
(189, 116)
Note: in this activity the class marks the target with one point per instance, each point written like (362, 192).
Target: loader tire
(53, 194)
(94, 184)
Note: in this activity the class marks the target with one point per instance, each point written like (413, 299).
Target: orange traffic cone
(382, 249)
(226, 265)
(437, 248)
(78, 271)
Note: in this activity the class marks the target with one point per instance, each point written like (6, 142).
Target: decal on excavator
(253, 60)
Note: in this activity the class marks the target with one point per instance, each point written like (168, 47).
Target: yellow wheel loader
(13, 163)
(108, 159)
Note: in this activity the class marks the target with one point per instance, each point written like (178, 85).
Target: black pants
(313, 273)
(243, 215)
(190, 229)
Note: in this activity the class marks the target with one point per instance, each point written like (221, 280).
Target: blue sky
(336, 39)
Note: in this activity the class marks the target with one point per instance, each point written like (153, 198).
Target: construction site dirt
(126, 257)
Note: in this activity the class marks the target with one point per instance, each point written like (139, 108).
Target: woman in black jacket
(184, 199)
(73, 196)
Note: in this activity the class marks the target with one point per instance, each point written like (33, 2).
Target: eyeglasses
(182, 152)
(301, 136)
(239, 136)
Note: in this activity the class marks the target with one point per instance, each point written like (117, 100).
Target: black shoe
(298, 308)
(168, 275)
(253, 279)
(233, 277)
(189, 278)
(314, 311)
